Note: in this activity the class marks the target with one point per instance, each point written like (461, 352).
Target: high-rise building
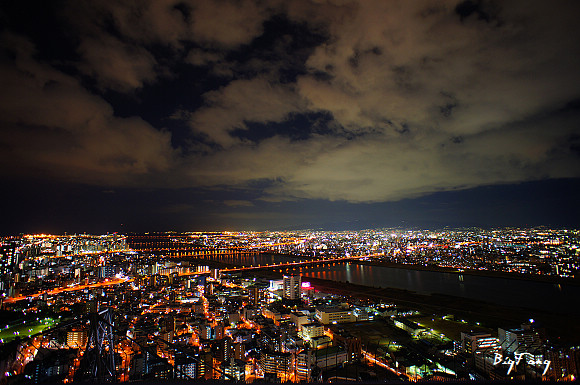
(107, 271)
(325, 358)
(223, 350)
(303, 366)
(256, 294)
(187, 367)
(206, 331)
(276, 364)
(219, 331)
(239, 351)
(167, 324)
(479, 342)
(523, 340)
(334, 315)
(292, 286)
(76, 338)
(311, 330)
(166, 339)
(564, 363)
(350, 342)
(208, 288)
(234, 370)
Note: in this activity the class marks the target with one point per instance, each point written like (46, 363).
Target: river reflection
(556, 298)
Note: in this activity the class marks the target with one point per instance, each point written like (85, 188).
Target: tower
(292, 286)
(99, 358)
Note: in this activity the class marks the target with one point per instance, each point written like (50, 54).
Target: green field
(24, 329)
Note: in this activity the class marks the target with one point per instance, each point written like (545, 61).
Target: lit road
(67, 289)
(382, 364)
(86, 254)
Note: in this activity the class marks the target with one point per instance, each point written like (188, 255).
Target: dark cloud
(358, 101)
(116, 65)
(52, 125)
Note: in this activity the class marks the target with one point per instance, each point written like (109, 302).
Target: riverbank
(564, 328)
(482, 273)
(558, 323)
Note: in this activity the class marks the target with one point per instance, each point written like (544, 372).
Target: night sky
(252, 115)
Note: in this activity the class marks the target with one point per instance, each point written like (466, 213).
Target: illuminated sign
(306, 284)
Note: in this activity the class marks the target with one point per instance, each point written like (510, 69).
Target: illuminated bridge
(290, 265)
(287, 265)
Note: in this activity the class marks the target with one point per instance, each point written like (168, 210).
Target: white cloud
(241, 101)
(117, 65)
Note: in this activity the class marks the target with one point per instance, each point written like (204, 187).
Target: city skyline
(251, 115)
(296, 306)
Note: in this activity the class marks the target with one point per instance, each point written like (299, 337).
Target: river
(554, 298)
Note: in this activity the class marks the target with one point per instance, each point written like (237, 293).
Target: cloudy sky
(186, 115)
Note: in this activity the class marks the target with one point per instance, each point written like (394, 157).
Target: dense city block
(254, 306)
